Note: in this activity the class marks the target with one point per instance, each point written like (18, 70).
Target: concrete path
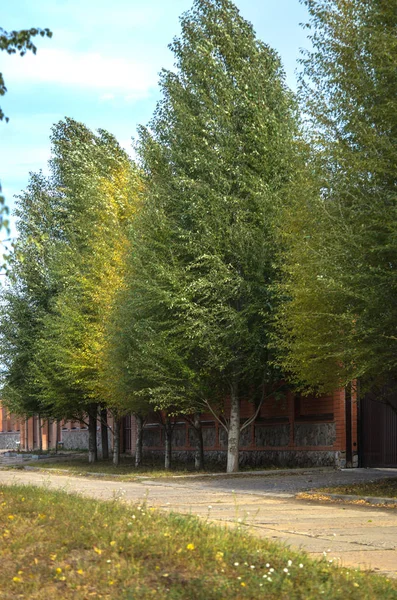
(354, 535)
(286, 482)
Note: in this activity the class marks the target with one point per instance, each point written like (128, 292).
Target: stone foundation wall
(276, 435)
(261, 458)
(314, 434)
(77, 439)
(8, 440)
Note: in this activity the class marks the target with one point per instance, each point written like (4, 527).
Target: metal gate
(378, 414)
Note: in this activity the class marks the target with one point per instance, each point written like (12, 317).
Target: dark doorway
(378, 415)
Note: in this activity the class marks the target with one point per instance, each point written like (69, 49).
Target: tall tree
(98, 182)
(65, 271)
(218, 156)
(339, 318)
(27, 294)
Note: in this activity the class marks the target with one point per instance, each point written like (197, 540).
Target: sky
(101, 67)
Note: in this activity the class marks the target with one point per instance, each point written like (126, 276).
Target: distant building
(297, 431)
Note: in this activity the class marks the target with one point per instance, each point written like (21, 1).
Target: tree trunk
(233, 441)
(199, 454)
(116, 441)
(168, 443)
(104, 433)
(26, 433)
(56, 436)
(139, 440)
(92, 445)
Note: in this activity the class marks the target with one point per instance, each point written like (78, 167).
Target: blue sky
(101, 67)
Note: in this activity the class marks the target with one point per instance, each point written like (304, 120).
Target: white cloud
(82, 70)
(122, 15)
(106, 97)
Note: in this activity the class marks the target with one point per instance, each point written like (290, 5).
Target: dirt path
(354, 535)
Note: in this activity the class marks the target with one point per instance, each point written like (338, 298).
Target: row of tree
(247, 246)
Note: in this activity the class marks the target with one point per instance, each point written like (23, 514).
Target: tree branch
(253, 418)
(216, 416)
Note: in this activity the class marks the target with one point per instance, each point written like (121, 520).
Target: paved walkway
(354, 535)
(289, 482)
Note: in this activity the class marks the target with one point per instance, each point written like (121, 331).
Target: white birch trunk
(139, 440)
(116, 442)
(233, 441)
(199, 454)
(92, 445)
(168, 443)
(104, 434)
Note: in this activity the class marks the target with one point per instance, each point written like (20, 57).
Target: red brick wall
(286, 412)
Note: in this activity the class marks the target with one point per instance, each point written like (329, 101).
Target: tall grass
(55, 545)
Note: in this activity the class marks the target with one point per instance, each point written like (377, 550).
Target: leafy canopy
(338, 321)
(217, 155)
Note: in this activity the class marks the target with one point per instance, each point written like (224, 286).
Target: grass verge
(53, 544)
(126, 469)
(385, 488)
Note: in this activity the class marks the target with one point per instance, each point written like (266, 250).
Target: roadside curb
(248, 474)
(264, 473)
(55, 471)
(364, 500)
(370, 499)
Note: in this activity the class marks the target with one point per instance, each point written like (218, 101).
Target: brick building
(10, 429)
(295, 431)
(307, 431)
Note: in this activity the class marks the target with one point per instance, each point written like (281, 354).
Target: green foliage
(338, 321)
(218, 156)
(97, 179)
(64, 273)
(13, 42)
(18, 41)
(26, 297)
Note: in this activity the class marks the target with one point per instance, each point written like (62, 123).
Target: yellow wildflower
(190, 546)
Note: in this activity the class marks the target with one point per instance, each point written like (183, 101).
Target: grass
(126, 469)
(385, 488)
(151, 468)
(59, 545)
